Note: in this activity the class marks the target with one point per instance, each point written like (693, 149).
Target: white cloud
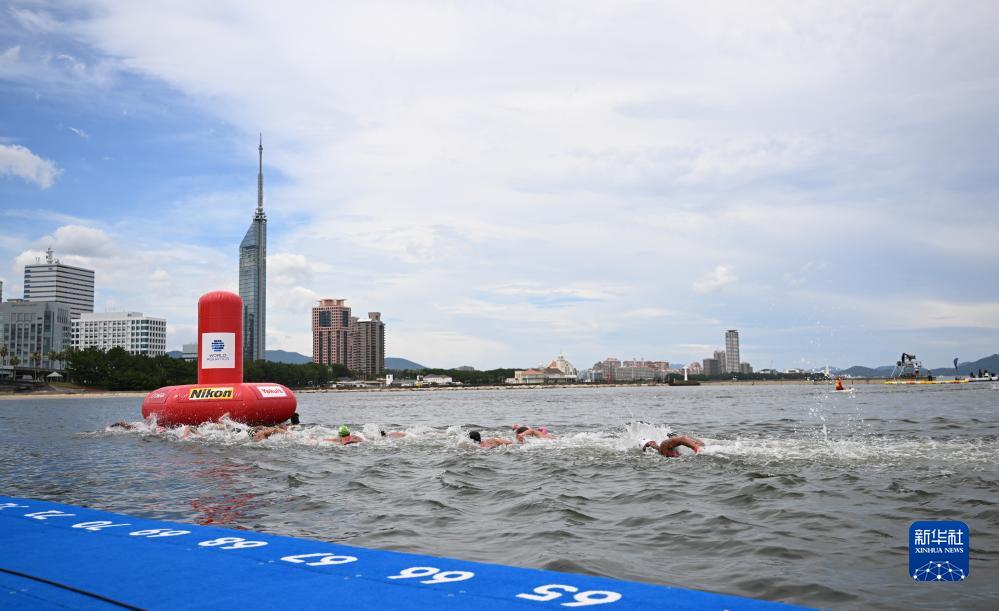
(19, 161)
(534, 174)
(78, 241)
(79, 132)
(715, 280)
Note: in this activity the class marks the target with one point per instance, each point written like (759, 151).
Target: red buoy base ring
(248, 402)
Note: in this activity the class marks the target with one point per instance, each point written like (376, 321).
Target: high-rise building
(131, 331)
(366, 352)
(27, 327)
(330, 328)
(253, 275)
(731, 351)
(745, 368)
(1, 291)
(720, 357)
(711, 367)
(55, 281)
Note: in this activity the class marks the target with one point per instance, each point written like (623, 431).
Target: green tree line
(117, 369)
(469, 378)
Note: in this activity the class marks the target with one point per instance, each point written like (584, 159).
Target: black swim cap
(383, 433)
(521, 429)
(475, 436)
(294, 418)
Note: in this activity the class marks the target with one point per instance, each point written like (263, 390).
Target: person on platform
(668, 447)
(488, 442)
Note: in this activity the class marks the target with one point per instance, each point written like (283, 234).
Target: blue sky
(504, 181)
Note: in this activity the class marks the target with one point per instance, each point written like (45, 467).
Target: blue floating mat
(61, 556)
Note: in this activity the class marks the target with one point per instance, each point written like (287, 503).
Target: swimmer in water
(262, 433)
(121, 424)
(488, 442)
(394, 434)
(669, 446)
(345, 438)
(523, 432)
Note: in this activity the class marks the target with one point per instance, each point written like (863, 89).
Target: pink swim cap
(542, 429)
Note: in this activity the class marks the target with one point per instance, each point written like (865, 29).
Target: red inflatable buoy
(220, 390)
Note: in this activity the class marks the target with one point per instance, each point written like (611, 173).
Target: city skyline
(504, 187)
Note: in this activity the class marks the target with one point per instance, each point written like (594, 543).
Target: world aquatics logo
(218, 345)
(939, 571)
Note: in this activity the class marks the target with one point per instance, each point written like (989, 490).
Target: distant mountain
(283, 356)
(398, 364)
(990, 363)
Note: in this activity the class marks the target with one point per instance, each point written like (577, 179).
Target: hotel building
(130, 331)
(330, 328)
(366, 350)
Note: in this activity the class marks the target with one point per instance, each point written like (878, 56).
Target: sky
(507, 181)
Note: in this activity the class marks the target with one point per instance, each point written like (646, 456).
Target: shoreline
(112, 394)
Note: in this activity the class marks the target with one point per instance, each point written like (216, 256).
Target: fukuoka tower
(253, 274)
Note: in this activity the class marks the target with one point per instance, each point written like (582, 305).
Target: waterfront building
(557, 371)
(330, 328)
(1, 291)
(656, 365)
(605, 370)
(745, 368)
(366, 350)
(435, 380)
(562, 365)
(189, 352)
(253, 275)
(695, 369)
(58, 282)
(720, 357)
(130, 331)
(28, 327)
(711, 367)
(731, 351)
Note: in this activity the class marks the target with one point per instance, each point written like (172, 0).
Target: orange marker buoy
(839, 384)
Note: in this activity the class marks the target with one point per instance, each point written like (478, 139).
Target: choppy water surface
(801, 494)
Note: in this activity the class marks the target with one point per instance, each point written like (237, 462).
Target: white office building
(55, 281)
(130, 331)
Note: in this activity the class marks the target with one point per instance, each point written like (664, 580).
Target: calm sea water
(802, 494)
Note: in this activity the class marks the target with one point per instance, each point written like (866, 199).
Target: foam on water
(815, 447)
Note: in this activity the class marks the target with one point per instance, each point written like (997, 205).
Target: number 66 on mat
(583, 599)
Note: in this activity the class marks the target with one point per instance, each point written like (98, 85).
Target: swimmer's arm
(682, 440)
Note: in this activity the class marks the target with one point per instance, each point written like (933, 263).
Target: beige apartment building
(366, 352)
(330, 328)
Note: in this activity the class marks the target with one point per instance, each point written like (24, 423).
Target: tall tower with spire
(253, 274)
